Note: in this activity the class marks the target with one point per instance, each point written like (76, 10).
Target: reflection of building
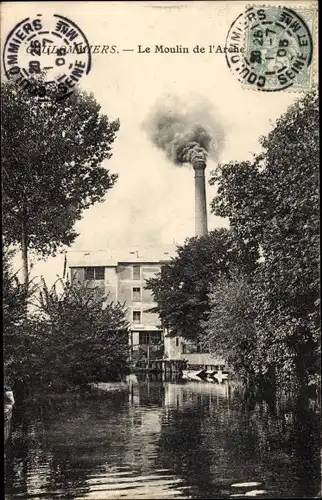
(122, 277)
(185, 395)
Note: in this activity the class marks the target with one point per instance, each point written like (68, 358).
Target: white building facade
(121, 277)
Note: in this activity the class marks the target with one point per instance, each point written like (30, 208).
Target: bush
(75, 337)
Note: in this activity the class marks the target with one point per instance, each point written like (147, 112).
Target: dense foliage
(52, 153)
(75, 338)
(181, 289)
(16, 297)
(230, 328)
(274, 203)
(87, 335)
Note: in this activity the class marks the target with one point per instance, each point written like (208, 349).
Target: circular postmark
(53, 47)
(272, 48)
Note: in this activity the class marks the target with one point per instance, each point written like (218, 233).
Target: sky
(153, 200)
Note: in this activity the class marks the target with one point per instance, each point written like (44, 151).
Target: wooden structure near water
(165, 366)
(183, 368)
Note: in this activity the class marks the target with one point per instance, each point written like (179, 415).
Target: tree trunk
(24, 251)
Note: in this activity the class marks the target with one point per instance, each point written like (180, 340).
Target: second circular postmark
(277, 48)
(52, 47)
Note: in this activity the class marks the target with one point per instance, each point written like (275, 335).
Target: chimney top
(199, 165)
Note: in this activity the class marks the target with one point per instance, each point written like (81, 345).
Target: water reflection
(162, 440)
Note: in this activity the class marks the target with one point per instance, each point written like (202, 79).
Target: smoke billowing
(186, 131)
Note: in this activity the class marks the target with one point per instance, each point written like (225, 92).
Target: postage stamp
(52, 46)
(275, 48)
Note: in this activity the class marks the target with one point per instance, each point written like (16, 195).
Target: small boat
(220, 376)
(193, 374)
(185, 374)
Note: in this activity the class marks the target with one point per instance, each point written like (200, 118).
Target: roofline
(118, 263)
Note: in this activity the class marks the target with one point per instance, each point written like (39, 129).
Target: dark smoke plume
(187, 132)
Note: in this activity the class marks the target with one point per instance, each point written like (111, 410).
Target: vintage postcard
(160, 241)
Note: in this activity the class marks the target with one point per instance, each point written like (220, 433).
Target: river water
(162, 440)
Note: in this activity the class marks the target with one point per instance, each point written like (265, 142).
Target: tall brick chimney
(201, 227)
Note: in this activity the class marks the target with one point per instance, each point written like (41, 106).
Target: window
(136, 272)
(152, 338)
(89, 273)
(136, 294)
(155, 337)
(136, 316)
(144, 338)
(189, 348)
(94, 273)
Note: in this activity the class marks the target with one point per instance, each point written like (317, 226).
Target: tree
(16, 297)
(230, 329)
(52, 153)
(86, 336)
(75, 337)
(181, 289)
(273, 201)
